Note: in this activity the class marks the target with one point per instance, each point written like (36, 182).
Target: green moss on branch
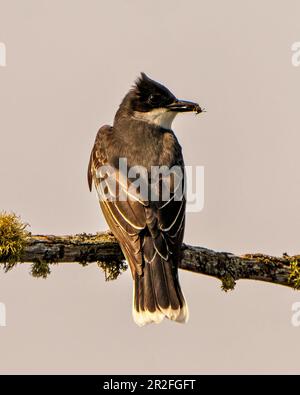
(228, 283)
(294, 277)
(40, 269)
(112, 269)
(13, 237)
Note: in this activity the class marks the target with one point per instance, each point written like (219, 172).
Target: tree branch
(104, 249)
(17, 245)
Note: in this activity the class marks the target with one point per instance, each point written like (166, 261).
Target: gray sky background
(69, 64)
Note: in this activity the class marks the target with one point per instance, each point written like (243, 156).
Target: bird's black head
(149, 94)
(154, 103)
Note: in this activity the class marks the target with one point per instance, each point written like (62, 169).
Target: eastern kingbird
(149, 230)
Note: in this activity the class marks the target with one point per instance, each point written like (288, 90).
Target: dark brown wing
(135, 219)
(126, 219)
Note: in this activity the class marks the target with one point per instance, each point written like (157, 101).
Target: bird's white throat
(159, 117)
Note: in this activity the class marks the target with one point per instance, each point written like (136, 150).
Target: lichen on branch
(294, 277)
(112, 269)
(18, 245)
(13, 238)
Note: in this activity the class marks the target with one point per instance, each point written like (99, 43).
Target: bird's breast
(146, 145)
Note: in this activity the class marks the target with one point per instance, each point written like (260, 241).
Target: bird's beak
(185, 106)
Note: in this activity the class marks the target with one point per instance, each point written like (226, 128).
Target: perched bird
(149, 231)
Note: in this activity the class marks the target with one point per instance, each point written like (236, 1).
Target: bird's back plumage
(150, 231)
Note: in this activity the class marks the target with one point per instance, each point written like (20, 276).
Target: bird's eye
(154, 99)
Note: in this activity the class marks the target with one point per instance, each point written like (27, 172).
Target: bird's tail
(157, 294)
